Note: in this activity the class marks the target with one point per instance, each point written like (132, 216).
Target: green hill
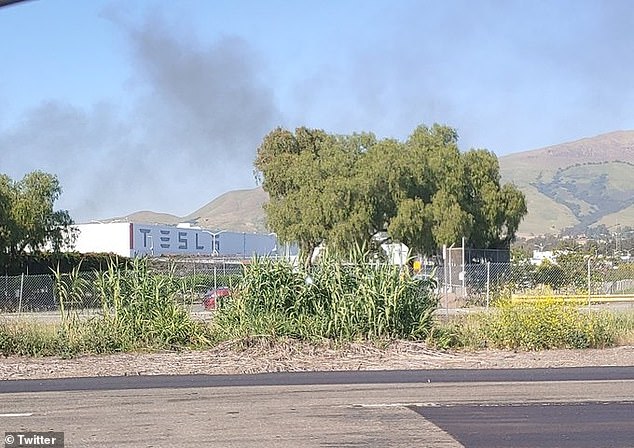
(575, 184)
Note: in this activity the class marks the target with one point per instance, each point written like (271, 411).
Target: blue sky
(161, 105)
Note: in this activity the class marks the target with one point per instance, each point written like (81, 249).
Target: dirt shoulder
(233, 358)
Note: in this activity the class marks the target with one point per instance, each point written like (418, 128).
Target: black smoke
(198, 113)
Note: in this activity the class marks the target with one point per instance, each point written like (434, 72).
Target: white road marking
(23, 414)
(394, 405)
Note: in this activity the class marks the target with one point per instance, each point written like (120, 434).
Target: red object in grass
(211, 297)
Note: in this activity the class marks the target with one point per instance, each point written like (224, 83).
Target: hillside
(239, 210)
(147, 216)
(524, 167)
(575, 184)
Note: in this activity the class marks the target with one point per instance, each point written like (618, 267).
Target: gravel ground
(258, 357)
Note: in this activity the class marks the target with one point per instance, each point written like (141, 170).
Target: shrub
(28, 339)
(146, 309)
(335, 300)
(534, 325)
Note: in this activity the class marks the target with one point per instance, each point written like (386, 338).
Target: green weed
(534, 325)
(335, 300)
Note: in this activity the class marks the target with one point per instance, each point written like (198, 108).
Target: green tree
(423, 192)
(6, 195)
(573, 260)
(386, 179)
(551, 274)
(28, 220)
(433, 194)
(413, 225)
(314, 194)
(496, 210)
(418, 186)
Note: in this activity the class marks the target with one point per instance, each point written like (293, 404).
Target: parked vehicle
(213, 297)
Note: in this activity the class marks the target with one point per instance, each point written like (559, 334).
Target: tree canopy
(423, 192)
(28, 220)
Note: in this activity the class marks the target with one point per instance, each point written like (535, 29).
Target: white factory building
(136, 239)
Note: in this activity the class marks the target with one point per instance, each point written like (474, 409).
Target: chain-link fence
(27, 293)
(201, 275)
(452, 273)
(471, 283)
(594, 280)
(474, 276)
(40, 293)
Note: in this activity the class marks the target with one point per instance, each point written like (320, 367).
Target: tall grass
(70, 291)
(30, 339)
(621, 326)
(140, 310)
(336, 300)
(147, 309)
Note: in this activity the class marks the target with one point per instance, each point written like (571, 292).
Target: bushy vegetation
(145, 310)
(423, 192)
(544, 323)
(43, 262)
(140, 310)
(336, 300)
(28, 219)
(148, 309)
(538, 324)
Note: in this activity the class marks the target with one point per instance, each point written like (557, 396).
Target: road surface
(580, 407)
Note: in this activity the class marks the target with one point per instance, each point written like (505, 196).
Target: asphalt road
(580, 407)
(321, 378)
(568, 425)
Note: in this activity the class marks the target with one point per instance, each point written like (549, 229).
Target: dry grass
(261, 355)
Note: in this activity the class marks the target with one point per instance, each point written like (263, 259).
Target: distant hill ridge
(613, 146)
(573, 184)
(237, 210)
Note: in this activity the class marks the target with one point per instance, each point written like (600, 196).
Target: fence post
(21, 290)
(215, 275)
(488, 282)
(450, 275)
(464, 270)
(445, 259)
(589, 283)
